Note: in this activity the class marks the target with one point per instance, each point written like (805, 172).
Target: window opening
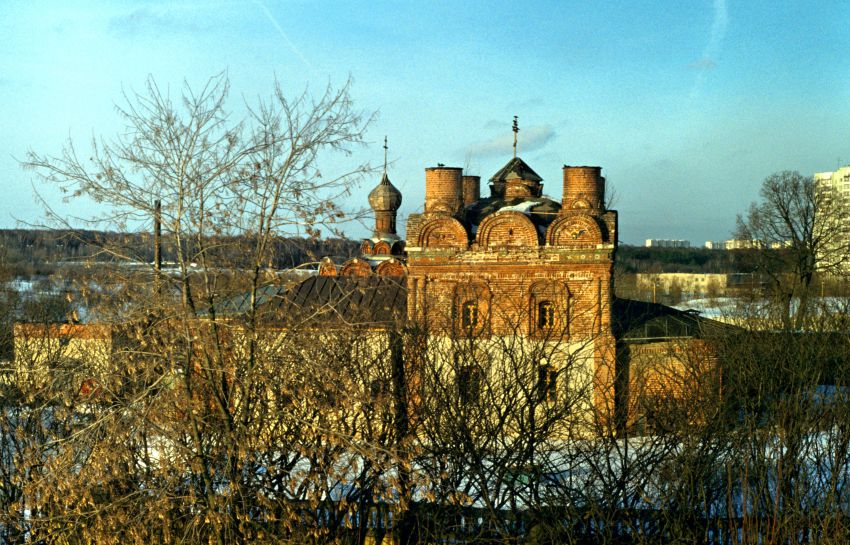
(469, 379)
(469, 315)
(545, 315)
(547, 383)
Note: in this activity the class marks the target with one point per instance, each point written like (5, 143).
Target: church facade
(511, 264)
(516, 264)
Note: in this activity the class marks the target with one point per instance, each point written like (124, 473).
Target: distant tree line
(38, 251)
(640, 259)
(28, 252)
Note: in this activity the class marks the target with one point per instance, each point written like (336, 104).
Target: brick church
(514, 263)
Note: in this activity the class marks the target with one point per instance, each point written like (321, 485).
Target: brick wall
(507, 229)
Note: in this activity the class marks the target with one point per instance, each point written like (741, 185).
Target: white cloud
(530, 139)
(718, 29)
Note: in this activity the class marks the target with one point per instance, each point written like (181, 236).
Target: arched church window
(471, 310)
(469, 316)
(547, 383)
(545, 315)
(548, 309)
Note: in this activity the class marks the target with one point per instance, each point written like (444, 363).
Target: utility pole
(157, 243)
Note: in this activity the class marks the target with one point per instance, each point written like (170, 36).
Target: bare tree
(185, 404)
(799, 230)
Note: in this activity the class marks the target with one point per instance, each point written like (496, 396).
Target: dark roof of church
(643, 321)
(376, 301)
(542, 213)
(516, 168)
(241, 303)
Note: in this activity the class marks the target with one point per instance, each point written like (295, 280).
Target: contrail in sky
(291, 45)
(715, 44)
(718, 29)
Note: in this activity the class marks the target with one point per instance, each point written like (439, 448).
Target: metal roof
(642, 321)
(515, 169)
(372, 301)
(543, 212)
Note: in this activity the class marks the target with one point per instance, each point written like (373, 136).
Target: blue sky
(687, 106)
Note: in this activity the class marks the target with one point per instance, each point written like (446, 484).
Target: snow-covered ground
(737, 310)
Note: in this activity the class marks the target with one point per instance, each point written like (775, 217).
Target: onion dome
(385, 197)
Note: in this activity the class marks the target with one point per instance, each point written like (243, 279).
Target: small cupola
(385, 201)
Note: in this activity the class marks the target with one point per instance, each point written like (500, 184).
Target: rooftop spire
(516, 132)
(385, 154)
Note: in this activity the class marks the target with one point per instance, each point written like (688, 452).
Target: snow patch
(524, 207)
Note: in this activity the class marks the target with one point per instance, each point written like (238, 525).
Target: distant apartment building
(780, 245)
(835, 182)
(738, 244)
(667, 243)
(835, 186)
(685, 284)
(742, 244)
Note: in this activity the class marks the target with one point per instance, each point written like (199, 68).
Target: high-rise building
(833, 225)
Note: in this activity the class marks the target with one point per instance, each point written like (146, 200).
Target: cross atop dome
(516, 133)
